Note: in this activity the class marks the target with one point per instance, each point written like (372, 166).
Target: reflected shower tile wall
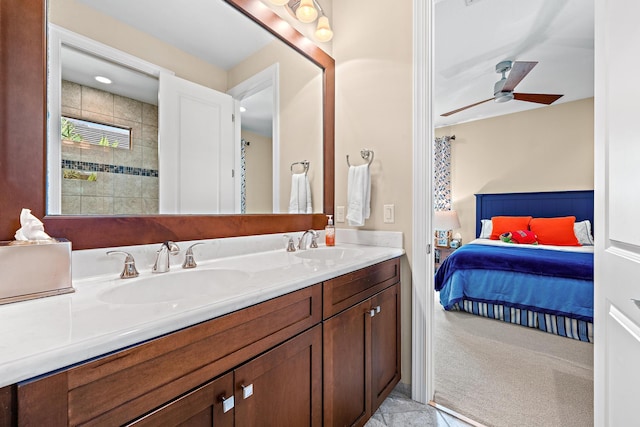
(126, 180)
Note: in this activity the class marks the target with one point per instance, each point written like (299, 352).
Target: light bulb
(279, 2)
(323, 30)
(306, 12)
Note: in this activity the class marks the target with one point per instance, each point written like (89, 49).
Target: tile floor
(398, 410)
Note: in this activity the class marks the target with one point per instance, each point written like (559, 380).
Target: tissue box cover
(34, 269)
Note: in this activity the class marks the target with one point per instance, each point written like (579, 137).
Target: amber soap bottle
(330, 232)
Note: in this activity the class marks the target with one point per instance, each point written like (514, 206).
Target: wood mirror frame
(23, 109)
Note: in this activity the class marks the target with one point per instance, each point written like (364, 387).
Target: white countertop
(40, 336)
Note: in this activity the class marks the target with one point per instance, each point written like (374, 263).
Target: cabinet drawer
(201, 407)
(122, 386)
(344, 291)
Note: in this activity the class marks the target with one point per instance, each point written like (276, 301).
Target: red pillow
(555, 231)
(503, 224)
(524, 237)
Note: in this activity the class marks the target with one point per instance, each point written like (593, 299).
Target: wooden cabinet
(440, 254)
(283, 387)
(203, 407)
(385, 344)
(328, 354)
(122, 386)
(361, 345)
(258, 393)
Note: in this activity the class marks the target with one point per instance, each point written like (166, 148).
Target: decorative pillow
(582, 230)
(485, 230)
(524, 237)
(555, 231)
(503, 224)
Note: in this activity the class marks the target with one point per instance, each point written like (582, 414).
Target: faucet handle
(189, 261)
(129, 270)
(314, 240)
(291, 246)
(173, 248)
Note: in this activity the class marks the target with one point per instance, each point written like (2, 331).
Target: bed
(546, 287)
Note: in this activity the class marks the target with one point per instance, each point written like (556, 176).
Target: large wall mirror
(109, 191)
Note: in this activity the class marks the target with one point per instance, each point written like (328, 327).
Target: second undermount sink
(329, 253)
(158, 288)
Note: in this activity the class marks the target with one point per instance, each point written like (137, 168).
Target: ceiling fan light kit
(503, 90)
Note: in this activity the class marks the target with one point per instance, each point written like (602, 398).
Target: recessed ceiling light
(104, 80)
(243, 109)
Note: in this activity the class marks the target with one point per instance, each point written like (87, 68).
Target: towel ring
(304, 163)
(365, 154)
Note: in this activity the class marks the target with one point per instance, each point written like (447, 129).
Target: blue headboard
(538, 205)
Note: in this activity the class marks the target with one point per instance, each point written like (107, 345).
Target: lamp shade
(323, 30)
(306, 12)
(445, 220)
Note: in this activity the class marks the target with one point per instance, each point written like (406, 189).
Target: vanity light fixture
(308, 11)
(103, 79)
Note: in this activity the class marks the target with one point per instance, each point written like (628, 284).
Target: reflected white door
(617, 235)
(195, 148)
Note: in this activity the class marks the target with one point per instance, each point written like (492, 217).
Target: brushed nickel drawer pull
(247, 391)
(227, 403)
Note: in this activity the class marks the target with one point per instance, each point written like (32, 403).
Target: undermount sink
(167, 287)
(329, 254)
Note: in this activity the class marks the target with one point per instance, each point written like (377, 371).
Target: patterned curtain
(243, 175)
(442, 174)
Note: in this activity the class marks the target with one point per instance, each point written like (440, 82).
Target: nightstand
(440, 254)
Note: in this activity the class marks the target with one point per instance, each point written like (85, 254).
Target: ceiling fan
(503, 89)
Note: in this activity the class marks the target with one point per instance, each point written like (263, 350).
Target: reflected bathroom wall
(105, 180)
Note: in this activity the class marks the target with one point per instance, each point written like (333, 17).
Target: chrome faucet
(314, 239)
(129, 270)
(189, 260)
(162, 257)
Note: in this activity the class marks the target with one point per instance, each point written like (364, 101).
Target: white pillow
(487, 227)
(582, 230)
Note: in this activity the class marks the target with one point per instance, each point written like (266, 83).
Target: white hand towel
(300, 200)
(358, 195)
(308, 186)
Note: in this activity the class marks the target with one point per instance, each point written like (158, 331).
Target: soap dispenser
(330, 232)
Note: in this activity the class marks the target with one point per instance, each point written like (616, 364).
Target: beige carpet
(508, 375)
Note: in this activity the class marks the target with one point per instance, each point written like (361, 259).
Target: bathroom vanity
(314, 339)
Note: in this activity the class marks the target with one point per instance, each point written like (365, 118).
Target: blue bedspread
(571, 265)
(548, 281)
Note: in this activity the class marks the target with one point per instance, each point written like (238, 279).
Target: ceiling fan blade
(519, 70)
(464, 108)
(540, 98)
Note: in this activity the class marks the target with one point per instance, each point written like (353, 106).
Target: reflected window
(92, 133)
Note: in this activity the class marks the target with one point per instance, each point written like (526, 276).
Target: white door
(617, 235)
(195, 148)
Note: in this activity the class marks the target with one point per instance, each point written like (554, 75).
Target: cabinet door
(385, 344)
(347, 371)
(203, 407)
(283, 386)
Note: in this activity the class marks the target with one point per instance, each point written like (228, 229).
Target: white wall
(372, 47)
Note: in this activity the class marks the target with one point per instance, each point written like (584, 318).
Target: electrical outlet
(389, 214)
(339, 213)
